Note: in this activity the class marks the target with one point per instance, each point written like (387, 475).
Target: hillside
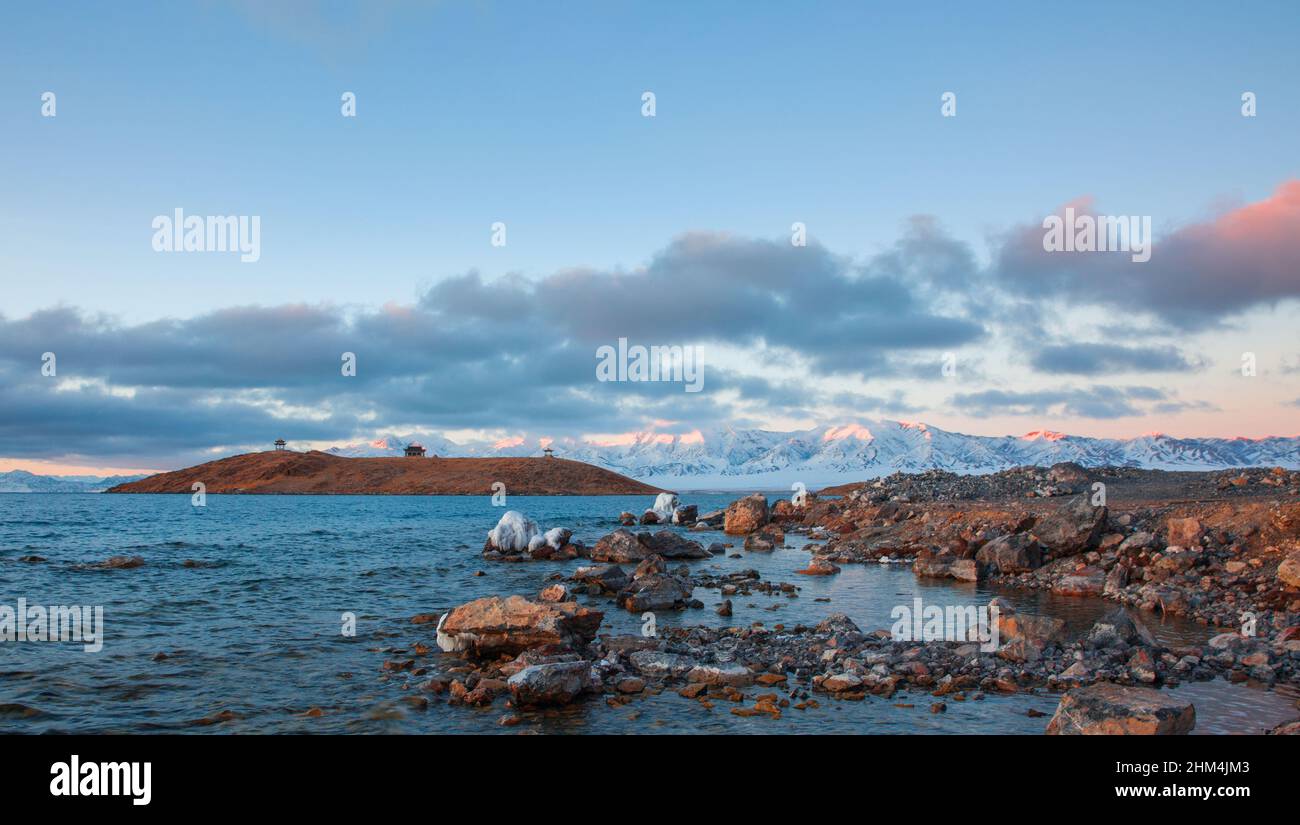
(286, 472)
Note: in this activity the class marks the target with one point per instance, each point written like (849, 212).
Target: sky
(376, 231)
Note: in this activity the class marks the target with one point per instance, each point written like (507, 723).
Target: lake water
(254, 628)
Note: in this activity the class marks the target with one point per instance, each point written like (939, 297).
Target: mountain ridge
(728, 458)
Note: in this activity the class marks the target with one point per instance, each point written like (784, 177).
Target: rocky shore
(1231, 562)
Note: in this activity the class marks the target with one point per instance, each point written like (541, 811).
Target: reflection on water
(244, 598)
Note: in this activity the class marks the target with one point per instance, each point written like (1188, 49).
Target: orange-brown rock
(746, 515)
(496, 625)
(1108, 709)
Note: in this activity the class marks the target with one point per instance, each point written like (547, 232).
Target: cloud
(1097, 401)
(1105, 359)
(1197, 275)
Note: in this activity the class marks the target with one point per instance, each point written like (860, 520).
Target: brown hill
(286, 472)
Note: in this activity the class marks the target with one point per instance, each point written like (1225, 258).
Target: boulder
(1024, 636)
(664, 506)
(649, 517)
(1072, 529)
(841, 682)
(746, 515)
(819, 567)
(765, 540)
(607, 577)
(624, 547)
(1119, 627)
(1110, 709)
(494, 625)
(512, 534)
(557, 592)
(656, 591)
(671, 545)
(1090, 581)
(1016, 553)
(627, 519)
(1288, 572)
(734, 675)
(967, 570)
(1185, 532)
(122, 562)
(1138, 541)
(686, 515)
(656, 665)
(553, 683)
(713, 518)
(933, 565)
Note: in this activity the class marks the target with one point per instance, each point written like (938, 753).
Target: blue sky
(529, 113)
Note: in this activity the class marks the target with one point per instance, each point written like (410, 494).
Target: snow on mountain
(21, 481)
(728, 458)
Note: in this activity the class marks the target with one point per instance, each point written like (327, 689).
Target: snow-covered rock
(665, 504)
(514, 533)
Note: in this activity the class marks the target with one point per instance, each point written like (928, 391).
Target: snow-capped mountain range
(761, 459)
(21, 481)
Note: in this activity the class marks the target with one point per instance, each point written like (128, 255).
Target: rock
(512, 534)
(626, 519)
(713, 518)
(1286, 729)
(121, 563)
(624, 547)
(1090, 581)
(609, 578)
(717, 548)
(494, 625)
(1024, 636)
(841, 682)
(819, 567)
(1110, 709)
(746, 515)
(656, 591)
(1016, 553)
(724, 609)
(686, 514)
(664, 506)
(1137, 541)
(967, 570)
(1288, 572)
(557, 592)
(764, 541)
(933, 565)
(838, 624)
(1185, 532)
(1116, 580)
(656, 665)
(671, 545)
(734, 675)
(553, 683)
(1072, 529)
(631, 684)
(1119, 627)
(649, 517)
